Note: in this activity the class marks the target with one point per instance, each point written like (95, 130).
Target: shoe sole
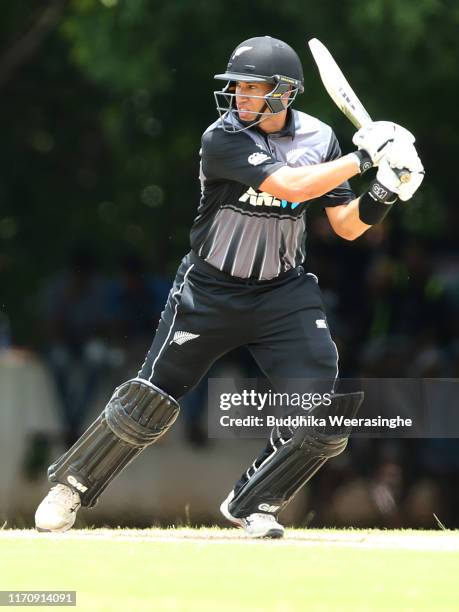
(273, 534)
(62, 530)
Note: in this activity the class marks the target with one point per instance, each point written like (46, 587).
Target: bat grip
(403, 175)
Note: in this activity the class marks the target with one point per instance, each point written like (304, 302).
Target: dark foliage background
(103, 103)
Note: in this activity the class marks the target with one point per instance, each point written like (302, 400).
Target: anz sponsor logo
(261, 198)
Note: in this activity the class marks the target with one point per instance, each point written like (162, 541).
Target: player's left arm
(353, 219)
(345, 220)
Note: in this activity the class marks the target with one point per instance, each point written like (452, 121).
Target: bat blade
(337, 85)
(341, 92)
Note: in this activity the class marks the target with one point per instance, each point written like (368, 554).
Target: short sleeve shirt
(241, 230)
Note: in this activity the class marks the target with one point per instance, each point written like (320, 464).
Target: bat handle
(403, 175)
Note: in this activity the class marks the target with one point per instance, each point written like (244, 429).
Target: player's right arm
(309, 182)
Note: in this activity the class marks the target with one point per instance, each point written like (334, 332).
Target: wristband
(364, 160)
(375, 204)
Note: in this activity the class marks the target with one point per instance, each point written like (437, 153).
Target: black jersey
(241, 230)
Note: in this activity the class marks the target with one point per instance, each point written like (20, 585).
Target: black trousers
(208, 313)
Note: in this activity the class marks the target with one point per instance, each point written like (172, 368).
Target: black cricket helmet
(259, 59)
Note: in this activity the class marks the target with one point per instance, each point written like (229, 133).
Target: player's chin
(246, 115)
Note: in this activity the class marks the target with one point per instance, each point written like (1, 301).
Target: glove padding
(375, 138)
(401, 155)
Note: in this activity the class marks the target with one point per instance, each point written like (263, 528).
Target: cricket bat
(341, 92)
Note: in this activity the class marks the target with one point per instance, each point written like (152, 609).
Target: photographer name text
(312, 421)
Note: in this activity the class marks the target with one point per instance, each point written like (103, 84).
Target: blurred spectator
(74, 345)
(5, 332)
(133, 303)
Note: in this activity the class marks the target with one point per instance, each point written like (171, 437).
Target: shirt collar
(287, 130)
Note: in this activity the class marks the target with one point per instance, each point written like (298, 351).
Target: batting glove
(375, 138)
(402, 155)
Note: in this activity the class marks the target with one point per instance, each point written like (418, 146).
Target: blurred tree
(101, 118)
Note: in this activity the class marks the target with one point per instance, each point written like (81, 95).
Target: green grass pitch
(221, 570)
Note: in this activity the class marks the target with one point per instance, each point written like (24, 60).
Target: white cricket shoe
(57, 512)
(257, 525)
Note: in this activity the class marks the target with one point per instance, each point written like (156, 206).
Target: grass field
(221, 570)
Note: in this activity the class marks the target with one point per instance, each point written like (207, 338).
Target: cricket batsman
(243, 284)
